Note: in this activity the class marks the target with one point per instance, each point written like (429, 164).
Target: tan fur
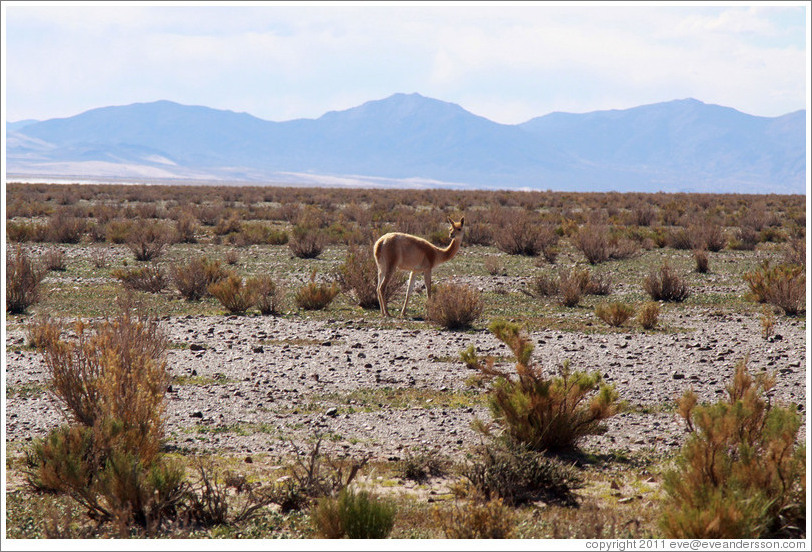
(396, 250)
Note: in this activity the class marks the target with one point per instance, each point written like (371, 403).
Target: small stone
(249, 460)
(678, 376)
(196, 347)
(197, 414)
(332, 412)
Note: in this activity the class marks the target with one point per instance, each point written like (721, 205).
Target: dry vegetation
(543, 260)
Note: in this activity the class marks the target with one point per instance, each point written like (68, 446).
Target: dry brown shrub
(150, 278)
(701, 260)
(147, 239)
(269, 295)
(23, 279)
(307, 242)
(358, 276)
(614, 314)
(454, 306)
(648, 315)
(315, 295)
(63, 227)
(194, 277)
(491, 520)
(665, 285)
(593, 241)
(234, 294)
(54, 259)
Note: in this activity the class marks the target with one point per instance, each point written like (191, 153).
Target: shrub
(701, 260)
(116, 371)
(194, 277)
(520, 234)
(795, 252)
(150, 278)
(358, 276)
(23, 280)
(741, 473)
(233, 294)
(664, 285)
(306, 242)
(420, 465)
(212, 503)
(495, 266)
(648, 315)
(111, 381)
(309, 479)
(502, 468)
(454, 306)
(268, 295)
(780, 285)
(315, 296)
(186, 228)
(492, 520)
(42, 330)
(745, 239)
(147, 239)
(257, 233)
(354, 514)
(592, 240)
(614, 314)
(54, 259)
(544, 285)
(546, 414)
(571, 286)
(767, 322)
(65, 228)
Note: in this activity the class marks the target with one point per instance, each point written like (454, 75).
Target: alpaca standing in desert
(397, 250)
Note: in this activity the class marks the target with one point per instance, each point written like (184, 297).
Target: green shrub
(614, 314)
(665, 285)
(492, 520)
(741, 473)
(420, 465)
(355, 515)
(454, 306)
(23, 278)
(547, 414)
(780, 285)
(505, 469)
(234, 294)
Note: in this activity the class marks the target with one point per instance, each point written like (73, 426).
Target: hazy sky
(507, 62)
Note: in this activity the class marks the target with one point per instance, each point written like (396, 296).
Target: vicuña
(398, 250)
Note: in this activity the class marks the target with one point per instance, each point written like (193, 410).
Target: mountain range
(408, 140)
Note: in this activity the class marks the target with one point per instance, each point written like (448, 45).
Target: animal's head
(456, 228)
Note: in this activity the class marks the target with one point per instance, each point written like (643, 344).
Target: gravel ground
(253, 380)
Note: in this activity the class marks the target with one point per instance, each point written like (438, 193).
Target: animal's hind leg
(408, 293)
(383, 280)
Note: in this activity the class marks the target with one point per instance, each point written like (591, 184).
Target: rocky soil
(249, 385)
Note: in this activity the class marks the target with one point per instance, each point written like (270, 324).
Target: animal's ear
(451, 222)
(462, 222)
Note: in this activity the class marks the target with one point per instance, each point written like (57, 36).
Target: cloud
(512, 61)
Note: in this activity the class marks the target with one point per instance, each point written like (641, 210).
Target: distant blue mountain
(17, 125)
(683, 145)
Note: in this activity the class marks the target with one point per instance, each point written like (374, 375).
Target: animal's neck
(448, 253)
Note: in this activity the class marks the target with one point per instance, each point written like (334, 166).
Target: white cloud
(505, 62)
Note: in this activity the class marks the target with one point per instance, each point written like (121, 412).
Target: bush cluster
(781, 285)
(546, 414)
(23, 278)
(741, 474)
